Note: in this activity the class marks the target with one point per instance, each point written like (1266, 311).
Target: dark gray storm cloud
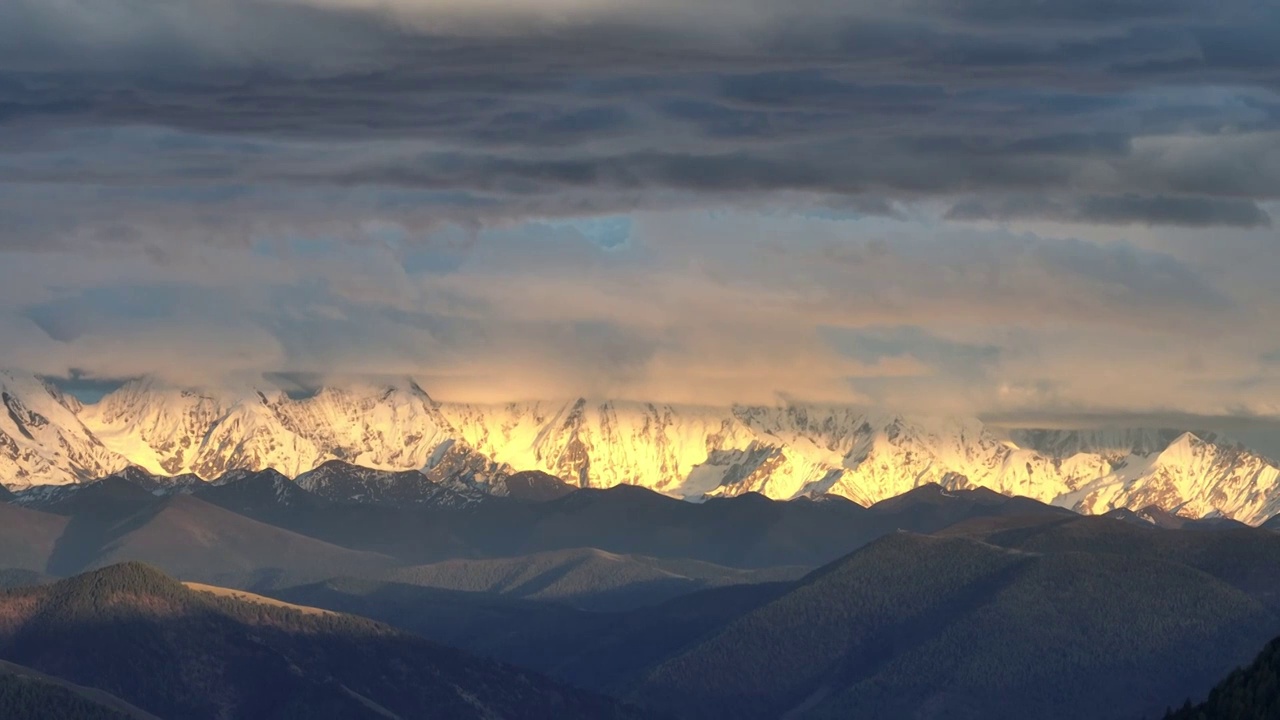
(1119, 209)
(588, 105)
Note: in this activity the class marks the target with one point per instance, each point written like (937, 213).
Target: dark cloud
(1119, 209)
(620, 106)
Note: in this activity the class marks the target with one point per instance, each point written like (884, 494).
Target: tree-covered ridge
(911, 626)
(1245, 558)
(136, 633)
(25, 698)
(1249, 693)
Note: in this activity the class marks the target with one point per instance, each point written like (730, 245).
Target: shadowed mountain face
(593, 650)
(1245, 558)
(909, 626)
(929, 508)
(26, 694)
(346, 483)
(1155, 517)
(28, 537)
(262, 530)
(195, 540)
(535, 486)
(114, 493)
(1011, 609)
(261, 491)
(177, 652)
(748, 531)
(913, 626)
(113, 521)
(586, 578)
(158, 484)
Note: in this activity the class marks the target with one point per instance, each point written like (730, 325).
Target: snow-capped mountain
(210, 433)
(1193, 476)
(691, 452)
(42, 439)
(780, 452)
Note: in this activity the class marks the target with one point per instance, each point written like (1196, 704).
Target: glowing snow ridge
(689, 452)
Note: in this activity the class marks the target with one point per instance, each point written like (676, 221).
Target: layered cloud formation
(989, 206)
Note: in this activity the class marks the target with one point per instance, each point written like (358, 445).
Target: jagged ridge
(781, 452)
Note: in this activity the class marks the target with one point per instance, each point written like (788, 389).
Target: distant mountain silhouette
(586, 578)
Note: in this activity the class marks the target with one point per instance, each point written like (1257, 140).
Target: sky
(997, 207)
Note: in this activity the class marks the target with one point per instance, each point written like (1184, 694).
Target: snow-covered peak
(42, 439)
(406, 446)
(173, 430)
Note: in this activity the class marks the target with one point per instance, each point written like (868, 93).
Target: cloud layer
(978, 206)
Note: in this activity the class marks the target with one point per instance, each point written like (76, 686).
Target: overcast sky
(1002, 207)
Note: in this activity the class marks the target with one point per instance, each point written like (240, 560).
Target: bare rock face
(346, 483)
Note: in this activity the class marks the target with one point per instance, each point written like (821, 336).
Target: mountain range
(401, 435)
(999, 616)
(630, 544)
(940, 602)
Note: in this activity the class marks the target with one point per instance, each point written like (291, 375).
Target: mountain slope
(909, 626)
(250, 492)
(28, 537)
(177, 652)
(534, 486)
(113, 520)
(1243, 557)
(968, 631)
(1249, 693)
(29, 695)
(343, 482)
(598, 651)
(586, 578)
(42, 438)
(195, 540)
(747, 531)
